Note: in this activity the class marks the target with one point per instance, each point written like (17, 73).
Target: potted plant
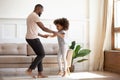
(77, 53)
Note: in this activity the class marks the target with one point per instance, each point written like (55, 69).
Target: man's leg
(40, 69)
(38, 49)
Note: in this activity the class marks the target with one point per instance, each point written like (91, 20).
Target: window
(116, 26)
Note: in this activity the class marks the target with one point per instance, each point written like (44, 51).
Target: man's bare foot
(65, 74)
(34, 76)
(40, 75)
(60, 73)
(29, 72)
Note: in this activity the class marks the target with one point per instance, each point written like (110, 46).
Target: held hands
(48, 35)
(45, 35)
(54, 34)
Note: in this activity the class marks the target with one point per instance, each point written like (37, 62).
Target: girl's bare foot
(68, 71)
(65, 74)
(60, 73)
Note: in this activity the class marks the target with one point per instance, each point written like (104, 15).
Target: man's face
(40, 11)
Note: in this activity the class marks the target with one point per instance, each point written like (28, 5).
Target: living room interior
(94, 24)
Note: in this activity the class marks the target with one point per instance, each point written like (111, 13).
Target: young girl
(62, 25)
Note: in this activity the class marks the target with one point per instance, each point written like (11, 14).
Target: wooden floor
(19, 74)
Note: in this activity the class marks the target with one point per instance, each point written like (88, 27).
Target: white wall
(15, 8)
(73, 9)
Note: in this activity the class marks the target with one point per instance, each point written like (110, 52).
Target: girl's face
(59, 27)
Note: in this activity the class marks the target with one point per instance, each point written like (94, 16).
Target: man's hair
(38, 5)
(63, 22)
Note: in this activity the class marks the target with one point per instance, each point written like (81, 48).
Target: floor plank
(19, 74)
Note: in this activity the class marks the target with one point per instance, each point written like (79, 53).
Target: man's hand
(45, 35)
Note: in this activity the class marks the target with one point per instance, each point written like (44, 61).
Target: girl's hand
(53, 35)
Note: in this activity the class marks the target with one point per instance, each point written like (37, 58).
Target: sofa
(20, 55)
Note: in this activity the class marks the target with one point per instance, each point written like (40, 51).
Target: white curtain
(100, 31)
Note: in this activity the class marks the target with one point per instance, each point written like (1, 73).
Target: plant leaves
(77, 52)
(82, 60)
(73, 43)
(74, 55)
(77, 49)
(83, 52)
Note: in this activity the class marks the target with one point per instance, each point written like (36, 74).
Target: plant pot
(72, 68)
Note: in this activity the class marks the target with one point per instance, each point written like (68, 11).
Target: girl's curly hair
(63, 22)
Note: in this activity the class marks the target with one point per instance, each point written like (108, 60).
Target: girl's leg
(59, 63)
(64, 54)
(68, 70)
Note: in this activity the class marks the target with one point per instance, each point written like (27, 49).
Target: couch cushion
(48, 59)
(50, 49)
(13, 49)
(24, 65)
(15, 59)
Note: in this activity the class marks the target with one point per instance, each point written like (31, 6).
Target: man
(33, 23)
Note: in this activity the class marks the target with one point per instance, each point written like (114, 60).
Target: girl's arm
(45, 35)
(62, 35)
(58, 34)
(53, 35)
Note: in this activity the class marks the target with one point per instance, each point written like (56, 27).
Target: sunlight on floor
(85, 75)
(73, 76)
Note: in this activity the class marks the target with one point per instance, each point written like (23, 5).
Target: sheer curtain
(100, 31)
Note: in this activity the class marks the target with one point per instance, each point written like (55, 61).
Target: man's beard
(39, 14)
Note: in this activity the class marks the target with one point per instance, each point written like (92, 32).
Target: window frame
(114, 29)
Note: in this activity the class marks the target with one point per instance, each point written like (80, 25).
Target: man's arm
(40, 24)
(45, 35)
